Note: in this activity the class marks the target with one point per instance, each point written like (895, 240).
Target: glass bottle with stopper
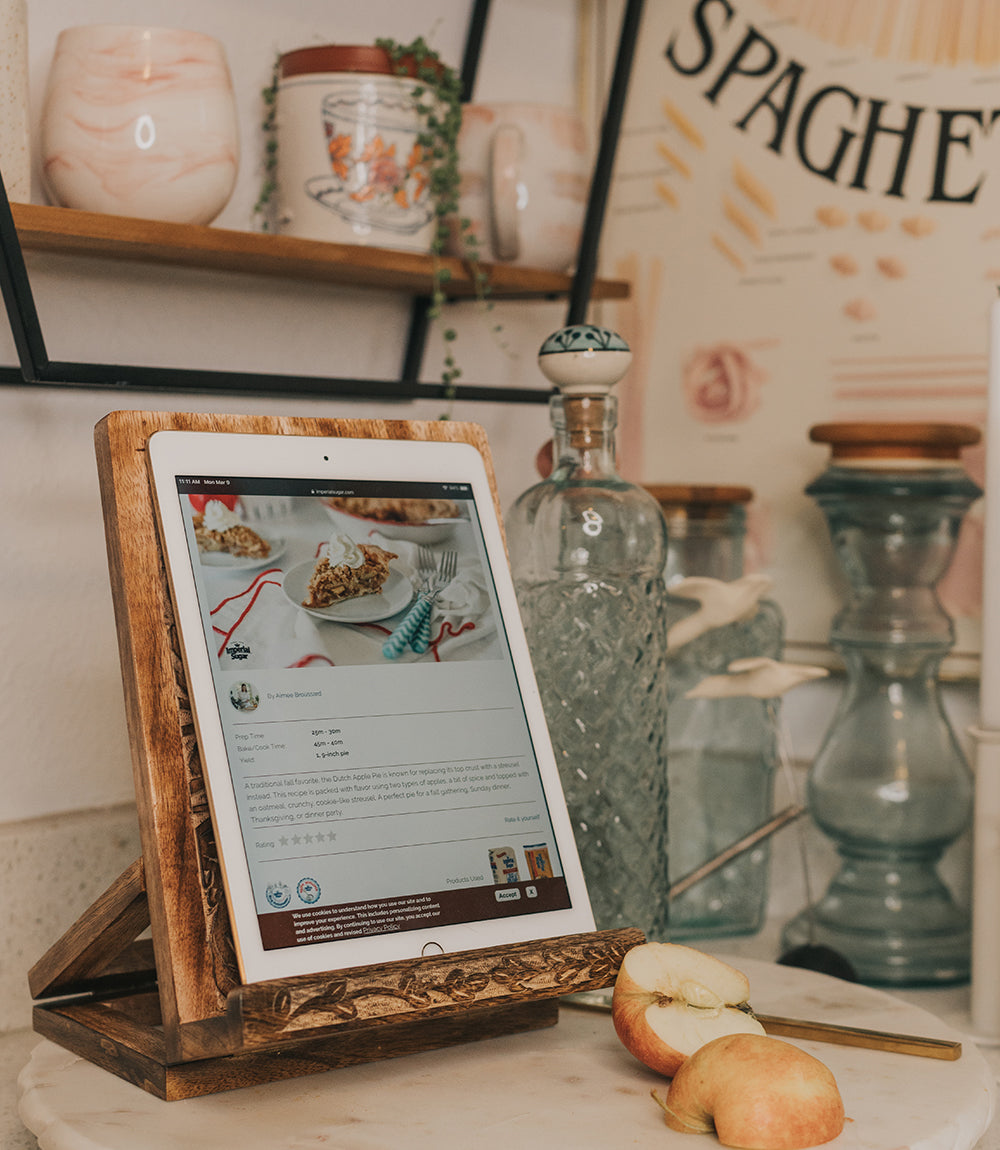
(588, 550)
(890, 784)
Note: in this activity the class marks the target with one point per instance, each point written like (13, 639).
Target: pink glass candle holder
(140, 122)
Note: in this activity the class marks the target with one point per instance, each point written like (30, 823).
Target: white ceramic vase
(140, 122)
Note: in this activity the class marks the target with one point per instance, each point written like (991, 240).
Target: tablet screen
(383, 787)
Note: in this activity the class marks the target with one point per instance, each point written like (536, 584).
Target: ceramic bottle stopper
(584, 359)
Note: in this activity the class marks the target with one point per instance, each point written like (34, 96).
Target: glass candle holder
(140, 122)
(890, 784)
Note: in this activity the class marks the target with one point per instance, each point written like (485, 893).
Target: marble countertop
(533, 1090)
(15, 1050)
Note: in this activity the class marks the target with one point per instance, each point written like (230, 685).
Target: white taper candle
(989, 691)
(985, 991)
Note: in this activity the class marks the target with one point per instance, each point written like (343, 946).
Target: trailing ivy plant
(437, 92)
(262, 209)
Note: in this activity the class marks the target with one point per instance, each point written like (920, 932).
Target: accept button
(507, 894)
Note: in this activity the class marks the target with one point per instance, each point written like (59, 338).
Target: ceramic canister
(350, 168)
(140, 122)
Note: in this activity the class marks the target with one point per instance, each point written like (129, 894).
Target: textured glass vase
(890, 784)
(588, 551)
(722, 752)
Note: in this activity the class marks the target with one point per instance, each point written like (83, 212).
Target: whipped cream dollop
(218, 517)
(343, 550)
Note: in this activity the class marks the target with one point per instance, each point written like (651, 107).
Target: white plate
(432, 532)
(227, 562)
(397, 591)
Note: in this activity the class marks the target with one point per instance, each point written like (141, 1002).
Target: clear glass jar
(890, 784)
(722, 753)
(588, 550)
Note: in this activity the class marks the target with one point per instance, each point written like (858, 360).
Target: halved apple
(669, 1000)
(756, 1093)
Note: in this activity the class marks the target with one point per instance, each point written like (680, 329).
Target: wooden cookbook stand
(168, 1012)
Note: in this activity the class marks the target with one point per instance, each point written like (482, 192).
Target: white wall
(60, 691)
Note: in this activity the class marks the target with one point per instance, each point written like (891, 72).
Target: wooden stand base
(108, 1036)
(291, 1027)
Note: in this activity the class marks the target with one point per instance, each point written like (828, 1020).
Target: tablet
(379, 791)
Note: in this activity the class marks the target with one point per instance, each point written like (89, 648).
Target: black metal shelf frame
(37, 370)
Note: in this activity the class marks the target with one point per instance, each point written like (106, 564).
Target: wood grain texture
(96, 939)
(268, 1012)
(161, 735)
(111, 1040)
(68, 231)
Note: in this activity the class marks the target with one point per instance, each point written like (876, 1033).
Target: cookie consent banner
(807, 202)
(408, 912)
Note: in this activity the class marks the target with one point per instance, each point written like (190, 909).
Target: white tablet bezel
(236, 455)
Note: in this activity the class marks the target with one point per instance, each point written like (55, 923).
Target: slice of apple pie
(218, 528)
(347, 570)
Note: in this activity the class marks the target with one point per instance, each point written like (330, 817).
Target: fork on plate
(415, 626)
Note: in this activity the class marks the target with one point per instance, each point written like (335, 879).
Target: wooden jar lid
(331, 58)
(687, 493)
(698, 501)
(335, 58)
(888, 441)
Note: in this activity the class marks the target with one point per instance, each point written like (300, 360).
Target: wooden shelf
(69, 232)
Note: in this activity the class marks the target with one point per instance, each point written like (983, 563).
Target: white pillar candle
(985, 992)
(989, 690)
(984, 999)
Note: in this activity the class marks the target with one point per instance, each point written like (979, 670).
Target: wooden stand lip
(203, 1031)
(269, 1013)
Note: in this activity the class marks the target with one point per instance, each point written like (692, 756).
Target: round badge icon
(278, 895)
(308, 890)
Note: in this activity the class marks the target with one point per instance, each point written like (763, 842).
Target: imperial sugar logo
(238, 651)
(278, 895)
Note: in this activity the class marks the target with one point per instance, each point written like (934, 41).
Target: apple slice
(669, 1000)
(756, 1093)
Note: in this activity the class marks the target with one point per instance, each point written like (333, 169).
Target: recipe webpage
(376, 792)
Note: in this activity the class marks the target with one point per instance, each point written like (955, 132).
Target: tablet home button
(431, 948)
(507, 894)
